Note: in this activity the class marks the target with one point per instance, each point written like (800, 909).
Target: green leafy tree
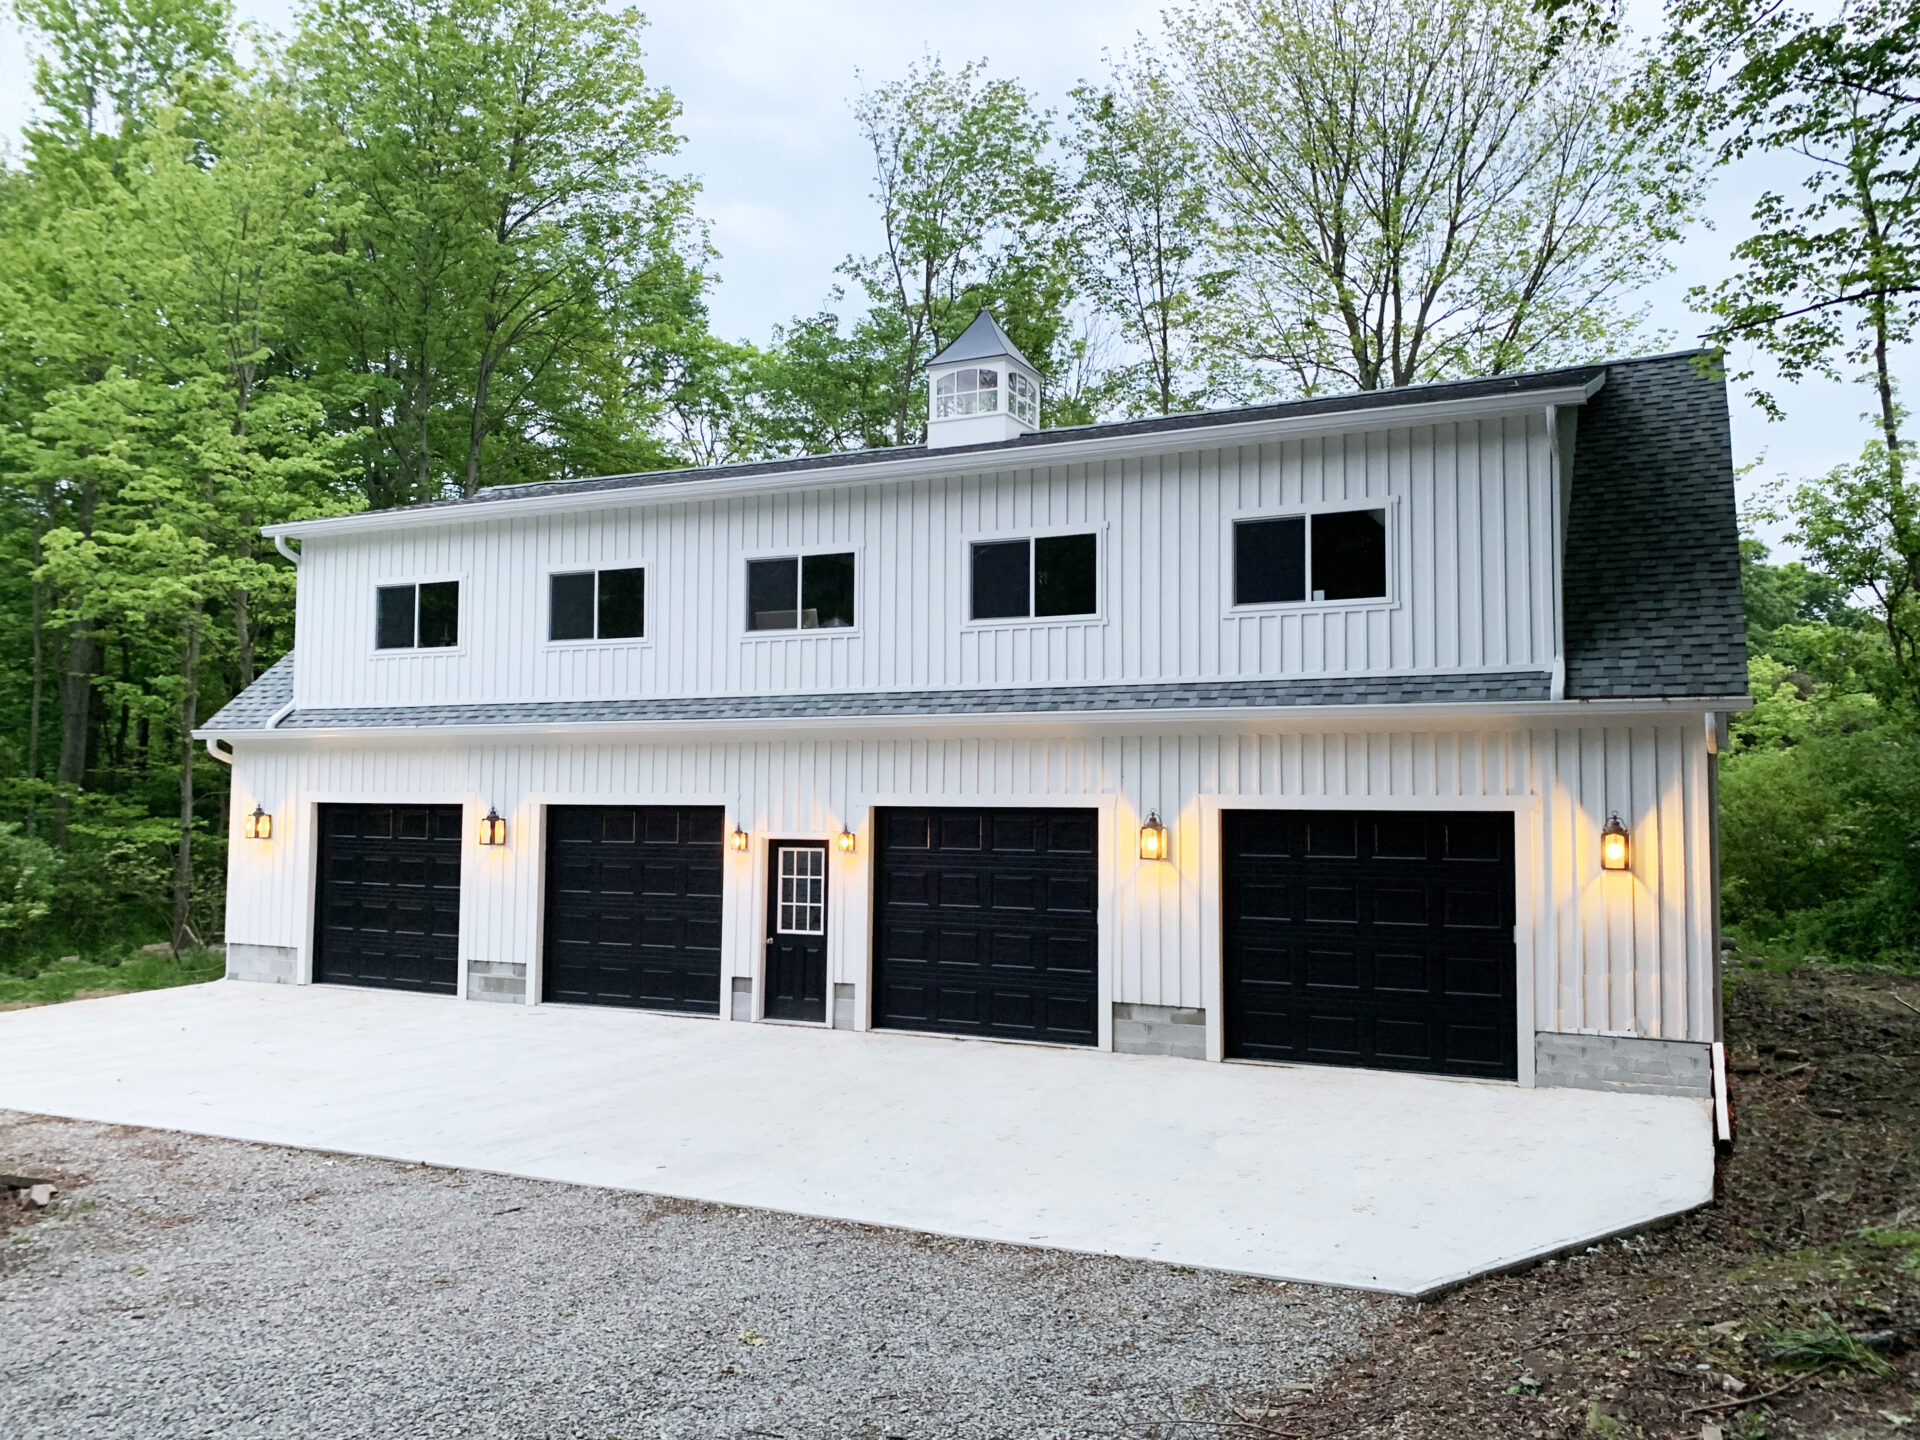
(1828, 281)
(1410, 192)
(511, 249)
(973, 217)
(1143, 216)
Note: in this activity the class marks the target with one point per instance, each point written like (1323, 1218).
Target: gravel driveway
(195, 1287)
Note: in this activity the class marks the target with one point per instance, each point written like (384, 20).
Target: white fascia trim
(948, 463)
(1264, 717)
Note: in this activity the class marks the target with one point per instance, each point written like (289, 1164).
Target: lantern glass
(738, 840)
(258, 825)
(1613, 845)
(1153, 838)
(493, 829)
(846, 842)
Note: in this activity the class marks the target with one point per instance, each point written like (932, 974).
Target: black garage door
(1380, 939)
(389, 898)
(984, 923)
(633, 906)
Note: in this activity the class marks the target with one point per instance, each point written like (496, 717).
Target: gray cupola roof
(982, 340)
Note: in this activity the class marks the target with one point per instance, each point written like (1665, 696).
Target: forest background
(414, 247)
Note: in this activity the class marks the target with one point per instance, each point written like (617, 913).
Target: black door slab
(986, 922)
(633, 906)
(796, 930)
(1374, 938)
(388, 897)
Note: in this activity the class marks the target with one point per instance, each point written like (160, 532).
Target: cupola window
(1023, 398)
(967, 392)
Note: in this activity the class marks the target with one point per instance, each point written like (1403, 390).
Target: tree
(1143, 216)
(973, 218)
(508, 240)
(1828, 283)
(1411, 192)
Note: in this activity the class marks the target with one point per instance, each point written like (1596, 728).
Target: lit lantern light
(1613, 845)
(493, 829)
(846, 841)
(258, 825)
(737, 840)
(1153, 838)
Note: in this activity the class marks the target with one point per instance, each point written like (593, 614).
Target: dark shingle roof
(258, 703)
(1652, 583)
(1065, 700)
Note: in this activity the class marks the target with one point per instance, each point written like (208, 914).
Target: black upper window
(425, 617)
(800, 592)
(1335, 555)
(1050, 575)
(598, 605)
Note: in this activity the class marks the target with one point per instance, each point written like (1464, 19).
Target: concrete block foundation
(267, 964)
(1623, 1062)
(1160, 1030)
(497, 980)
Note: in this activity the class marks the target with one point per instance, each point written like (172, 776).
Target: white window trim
(1390, 601)
(969, 539)
(417, 652)
(782, 906)
(630, 642)
(861, 601)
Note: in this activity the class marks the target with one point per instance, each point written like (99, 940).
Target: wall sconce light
(493, 829)
(846, 841)
(1613, 845)
(258, 825)
(1153, 838)
(738, 839)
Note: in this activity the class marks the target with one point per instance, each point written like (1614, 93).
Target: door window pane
(440, 614)
(571, 611)
(803, 891)
(393, 628)
(1270, 560)
(773, 589)
(1350, 555)
(826, 592)
(1064, 574)
(1001, 579)
(623, 604)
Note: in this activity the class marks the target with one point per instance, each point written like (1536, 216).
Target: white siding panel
(1471, 563)
(1609, 953)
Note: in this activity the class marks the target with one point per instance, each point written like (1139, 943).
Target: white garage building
(1289, 733)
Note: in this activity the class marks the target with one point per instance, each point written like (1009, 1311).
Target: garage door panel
(1379, 939)
(1016, 890)
(633, 909)
(389, 897)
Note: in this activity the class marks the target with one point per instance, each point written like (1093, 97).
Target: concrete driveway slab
(1386, 1182)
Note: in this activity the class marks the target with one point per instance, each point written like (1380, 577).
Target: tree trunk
(76, 700)
(183, 859)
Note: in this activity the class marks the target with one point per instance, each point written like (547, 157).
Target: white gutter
(939, 463)
(1520, 712)
(280, 544)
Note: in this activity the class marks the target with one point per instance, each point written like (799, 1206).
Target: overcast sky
(765, 85)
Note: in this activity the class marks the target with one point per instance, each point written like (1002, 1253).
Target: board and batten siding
(1607, 953)
(1472, 580)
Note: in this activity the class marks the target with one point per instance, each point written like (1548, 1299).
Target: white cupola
(981, 389)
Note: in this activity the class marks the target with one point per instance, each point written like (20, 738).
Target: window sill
(633, 642)
(1295, 607)
(416, 652)
(819, 632)
(1035, 622)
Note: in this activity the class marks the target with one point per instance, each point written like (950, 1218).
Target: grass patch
(84, 979)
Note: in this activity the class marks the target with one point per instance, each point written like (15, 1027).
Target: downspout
(1559, 511)
(280, 544)
(279, 715)
(225, 757)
